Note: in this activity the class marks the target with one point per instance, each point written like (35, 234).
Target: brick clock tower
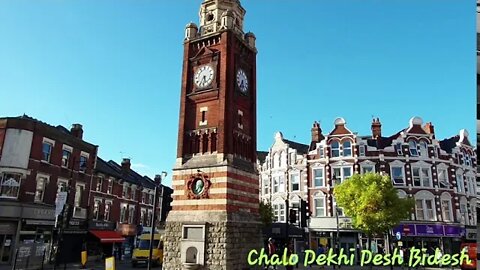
(214, 220)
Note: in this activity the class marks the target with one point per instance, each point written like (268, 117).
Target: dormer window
(361, 151)
(412, 145)
(398, 148)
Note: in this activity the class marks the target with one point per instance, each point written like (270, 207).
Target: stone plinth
(228, 239)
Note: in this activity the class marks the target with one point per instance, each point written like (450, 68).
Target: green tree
(266, 213)
(372, 202)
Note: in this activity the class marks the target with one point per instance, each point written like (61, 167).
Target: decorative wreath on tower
(198, 186)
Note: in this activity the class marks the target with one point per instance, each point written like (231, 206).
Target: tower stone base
(228, 239)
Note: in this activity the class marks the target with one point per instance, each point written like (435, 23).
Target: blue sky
(115, 67)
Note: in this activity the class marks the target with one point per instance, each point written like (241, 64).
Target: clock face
(204, 76)
(242, 81)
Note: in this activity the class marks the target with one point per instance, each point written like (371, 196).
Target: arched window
(425, 206)
(335, 149)
(412, 145)
(446, 206)
(347, 149)
(9, 185)
(423, 149)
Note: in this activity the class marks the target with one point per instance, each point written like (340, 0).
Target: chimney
(429, 129)
(126, 165)
(77, 131)
(317, 135)
(376, 128)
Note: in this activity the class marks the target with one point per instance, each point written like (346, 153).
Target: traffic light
(292, 216)
(304, 213)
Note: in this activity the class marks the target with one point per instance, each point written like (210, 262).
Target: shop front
(7, 239)
(102, 239)
(446, 237)
(74, 241)
(329, 232)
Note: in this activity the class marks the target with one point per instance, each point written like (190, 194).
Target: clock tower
(214, 221)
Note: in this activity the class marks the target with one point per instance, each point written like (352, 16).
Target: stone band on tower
(214, 220)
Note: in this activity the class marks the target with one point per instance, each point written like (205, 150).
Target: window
(281, 180)
(467, 159)
(40, 189)
(275, 184)
(321, 152)
(99, 184)
(470, 184)
(265, 185)
(142, 216)
(62, 185)
(412, 145)
(203, 111)
(279, 212)
(361, 151)
(318, 179)
(340, 174)
(10, 185)
(295, 179)
(133, 193)
(96, 210)
(78, 195)
(347, 149)
(421, 177)
(110, 186)
(123, 214)
(149, 217)
(398, 148)
(424, 209)
(108, 207)
(368, 169)
(131, 214)
(397, 176)
(447, 210)
(460, 184)
(319, 207)
(83, 163)
(443, 178)
(423, 149)
(66, 157)
(125, 191)
(463, 213)
(240, 119)
(151, 199)
(335, 149)
(47, 151)
(144, 197)
(293, 158)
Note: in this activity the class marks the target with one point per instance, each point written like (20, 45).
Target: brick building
(38, 160)
(439, 174)
(110, 202)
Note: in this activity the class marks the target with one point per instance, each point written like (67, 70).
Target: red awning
(108, 236)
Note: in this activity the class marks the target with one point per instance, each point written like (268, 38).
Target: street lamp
(158, 183)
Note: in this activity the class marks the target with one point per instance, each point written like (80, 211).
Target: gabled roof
(300, 147)
(103, 167)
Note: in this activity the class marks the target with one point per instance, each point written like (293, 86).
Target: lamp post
(158, 182)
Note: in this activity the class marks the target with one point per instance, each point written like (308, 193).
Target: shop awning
(108, 236)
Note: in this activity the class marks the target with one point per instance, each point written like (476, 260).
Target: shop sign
(471, 234)
(454, 231)
(38, 213)
(40, 222)
(430, 230)
(101, 225)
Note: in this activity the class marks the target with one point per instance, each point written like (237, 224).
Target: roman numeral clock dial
(204, 76)
(242, 81)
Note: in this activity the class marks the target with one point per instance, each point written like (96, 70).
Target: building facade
(284, 180)
(439, 174)
(108, 203)
(38, 160)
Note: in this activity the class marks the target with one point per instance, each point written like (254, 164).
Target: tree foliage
(372, 202)
(266, 213)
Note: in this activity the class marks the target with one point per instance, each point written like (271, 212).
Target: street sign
(60, 202)
(398, 235)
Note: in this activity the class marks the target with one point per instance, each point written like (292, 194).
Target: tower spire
(216, 15)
